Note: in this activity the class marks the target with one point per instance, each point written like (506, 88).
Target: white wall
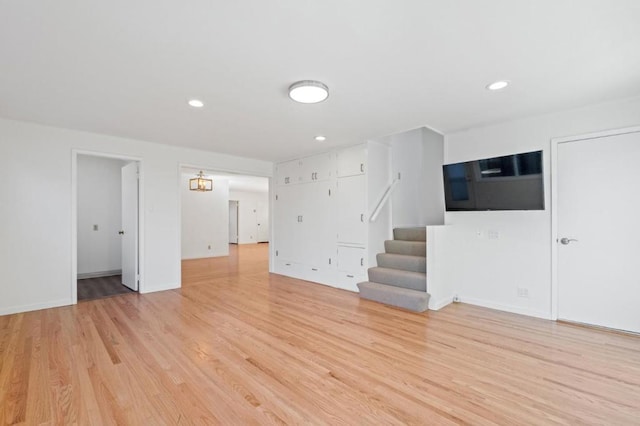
(99, 203)
(205, 219)
(432, 182)
(417, 156)
(378, 179)
(248, 205)
(485, 270)
(406, 157)
(35, 183)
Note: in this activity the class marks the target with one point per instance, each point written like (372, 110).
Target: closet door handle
(362, 261)
(362, 167)
(362, 217)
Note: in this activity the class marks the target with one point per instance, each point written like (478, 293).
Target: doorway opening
(106, 257)
(226, 228)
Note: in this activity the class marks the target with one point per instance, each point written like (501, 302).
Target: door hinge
(276, 197)
(329, 192)
(276, 252)
(329, 261)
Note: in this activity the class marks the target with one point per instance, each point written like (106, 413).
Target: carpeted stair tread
(399, 278)
(410, 248)
(417, 301)
(402, 261)
(410, 234)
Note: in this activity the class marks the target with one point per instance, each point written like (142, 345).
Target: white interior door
(262, 217)
(599, 231)
(233, 222)
(129, 230)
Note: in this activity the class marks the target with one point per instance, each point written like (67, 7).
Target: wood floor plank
(237, 345)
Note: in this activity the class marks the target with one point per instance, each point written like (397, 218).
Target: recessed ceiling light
(321, 138)
(498, 85)
(308, 91)
(196, 103)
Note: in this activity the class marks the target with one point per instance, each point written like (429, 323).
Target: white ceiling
(127, 68)
(236, 182)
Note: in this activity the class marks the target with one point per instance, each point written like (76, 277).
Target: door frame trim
(555, 142)
(74, 215)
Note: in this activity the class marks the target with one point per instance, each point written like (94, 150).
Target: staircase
(400, 278)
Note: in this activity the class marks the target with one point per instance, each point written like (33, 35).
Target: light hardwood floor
(239, 346)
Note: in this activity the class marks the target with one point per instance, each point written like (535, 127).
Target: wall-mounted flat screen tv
(512, 182)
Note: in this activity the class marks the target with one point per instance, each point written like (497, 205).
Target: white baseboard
(163, 287)
(34, 307)
(507, 308)
(99, 274)
(439, 304)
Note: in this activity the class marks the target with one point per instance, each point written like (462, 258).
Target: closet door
(352, 267)
(288, 211)
(316, 168)
(352, 161)
(351, 208)
(317, 224)
(288, 173)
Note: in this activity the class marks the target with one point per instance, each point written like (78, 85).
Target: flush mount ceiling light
(320, 138)
(308, 91)
(498, 85)
(200, 183)
(196, 103)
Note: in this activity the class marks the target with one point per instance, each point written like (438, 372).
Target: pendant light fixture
(200, 183)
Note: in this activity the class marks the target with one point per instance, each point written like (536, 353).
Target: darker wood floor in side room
(237, 345)
(97, 288)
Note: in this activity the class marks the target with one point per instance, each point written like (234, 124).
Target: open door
(129, 232)
(233, 222)
(262, 217)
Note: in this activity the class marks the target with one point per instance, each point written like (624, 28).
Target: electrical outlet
(493, 235)
(523, 292)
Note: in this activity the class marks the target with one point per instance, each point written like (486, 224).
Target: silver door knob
(565, 241)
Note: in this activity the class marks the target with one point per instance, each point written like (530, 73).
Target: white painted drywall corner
(417, 157)
(432, 186)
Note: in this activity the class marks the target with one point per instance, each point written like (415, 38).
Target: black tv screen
(512, 182)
